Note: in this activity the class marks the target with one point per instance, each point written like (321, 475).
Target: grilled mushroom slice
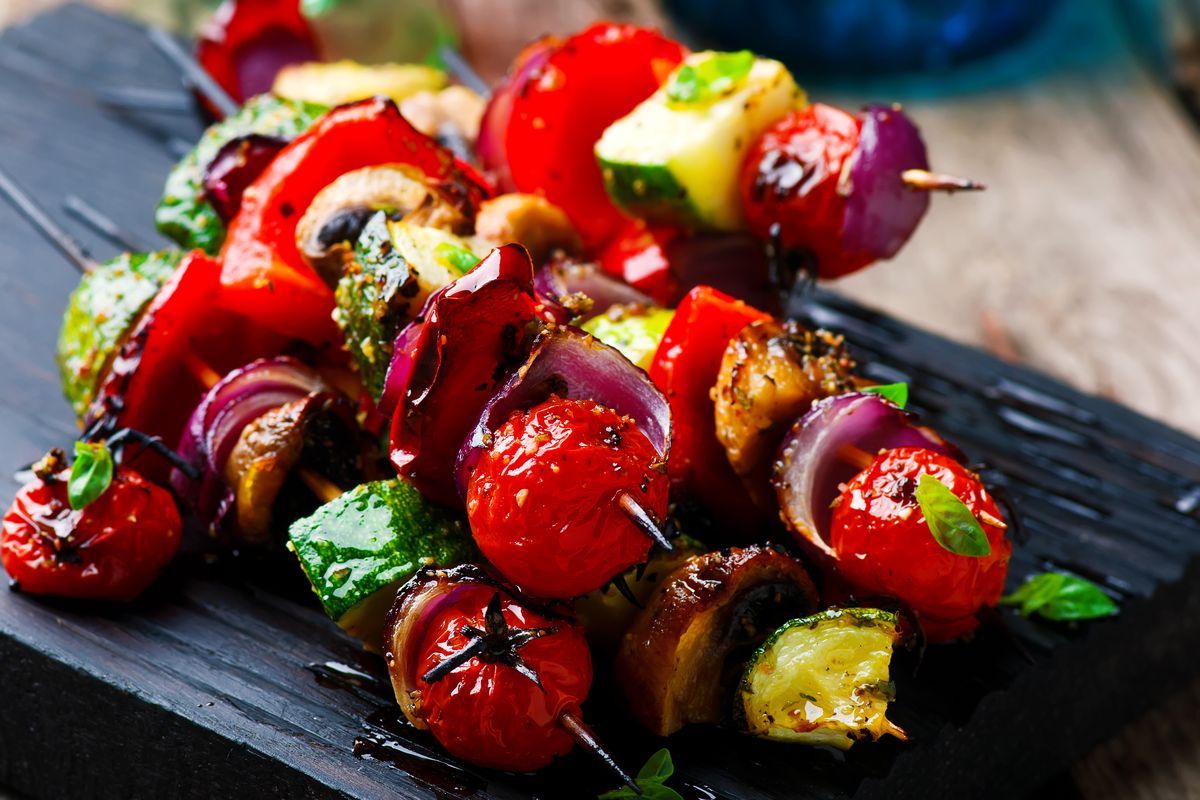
(329, 228)
(530, 220)
(293, 458)
(680, 661)
(771, 373)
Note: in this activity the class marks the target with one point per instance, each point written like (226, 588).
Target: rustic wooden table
(1078, 260)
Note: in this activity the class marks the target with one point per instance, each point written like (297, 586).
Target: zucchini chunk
(358, 549)
(635, 330)
(822, 680)
(100, 314)
(676, 157)
(338, 82)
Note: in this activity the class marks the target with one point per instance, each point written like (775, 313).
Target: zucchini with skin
(102, 311)
(822, 680)
(677, 161)
(358, 549)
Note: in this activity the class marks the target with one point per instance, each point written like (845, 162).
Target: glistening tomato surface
(488, 713)
(543, 501)
(884, 546)
(792, 177)
(111, 549)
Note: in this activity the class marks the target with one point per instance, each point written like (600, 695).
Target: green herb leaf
(897, 393)
(705, 81)
(91, 473)
(456, 256)
(950, 521)
(650, 779)
(317, 8)
(1061, 597)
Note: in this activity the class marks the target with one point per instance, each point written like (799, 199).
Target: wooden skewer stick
(462, 71)
(190, 68)
(926, 181)
(588, 741)
(642, 519)
(102, 224)
(47, 227)
(854, 456)
(324, 489)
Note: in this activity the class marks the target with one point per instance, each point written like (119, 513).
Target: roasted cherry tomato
(488, 710)
(111, 549)
(561, 98)
(793, 177)
(260, 249)
(544, 500)
(246, 42)
(884, 546)
(685, 368)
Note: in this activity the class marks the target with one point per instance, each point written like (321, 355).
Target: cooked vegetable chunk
(635, 330)
(822, 679)
(677, 156)
(346, 81)
(358, 549)
(101, 312)
(183, 213)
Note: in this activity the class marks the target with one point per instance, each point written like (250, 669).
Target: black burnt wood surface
(213, 684)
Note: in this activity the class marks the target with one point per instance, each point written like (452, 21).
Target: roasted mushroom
(530, 220)
(680, 660)
(292, 459)
(771, 373)
(329, 228)
(455, 110)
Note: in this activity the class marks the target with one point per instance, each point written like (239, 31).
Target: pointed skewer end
(925, 181)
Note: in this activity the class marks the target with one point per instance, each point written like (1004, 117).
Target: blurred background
(1081, 259)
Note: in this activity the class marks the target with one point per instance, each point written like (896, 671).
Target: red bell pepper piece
(246, 42)
(685, 368)
(183, 340)
(639, 256)
(260, 248)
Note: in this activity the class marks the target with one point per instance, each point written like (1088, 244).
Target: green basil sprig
(1061, 597)
(91, 473)
(706, 80)
(897, 393)
(651, 779)
(950, 521)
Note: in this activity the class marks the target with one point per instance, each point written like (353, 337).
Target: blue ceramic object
(862, 37)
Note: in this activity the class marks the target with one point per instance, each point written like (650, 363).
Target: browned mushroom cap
(333, 221)
(292, 459)
(770, 374)
(530, 220)
(679, 662)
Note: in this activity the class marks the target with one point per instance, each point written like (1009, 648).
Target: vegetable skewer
(195, 74)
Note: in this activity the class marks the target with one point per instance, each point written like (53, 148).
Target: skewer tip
(644, 522)
(588, 741)
(925, 181)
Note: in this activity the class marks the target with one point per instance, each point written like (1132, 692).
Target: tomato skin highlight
(543, 499)
(792, 176)
(685, 368)
(488, 713)
(112, 549)
(561, 108)
(883, 544)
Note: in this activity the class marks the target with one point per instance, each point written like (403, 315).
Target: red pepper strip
(638, 256)
(150, 386)
(246, 42)
(260, 248)
(471, 331)
(685, 368)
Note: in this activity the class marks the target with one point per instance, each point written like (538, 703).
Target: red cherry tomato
(792, 176)
(111, 549)
(561, 108)
(484, 710)
(685, 368)
(543, 500)
(883, 544)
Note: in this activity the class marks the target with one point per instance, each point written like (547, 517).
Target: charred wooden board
(216, 683)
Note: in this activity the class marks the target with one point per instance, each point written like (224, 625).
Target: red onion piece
(493, 128)
(573, 364)
(241, 397)
(560, 278)
(445, 367)
(809, 470)
(881, 212)
(234, 167)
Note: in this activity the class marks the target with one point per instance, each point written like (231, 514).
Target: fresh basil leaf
(897, 393)
(650, 779)
(950, 521)
(706, 80)
(456, 256)
(658, 767)
(317, 8)
(91, 473)
(1061, 597)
